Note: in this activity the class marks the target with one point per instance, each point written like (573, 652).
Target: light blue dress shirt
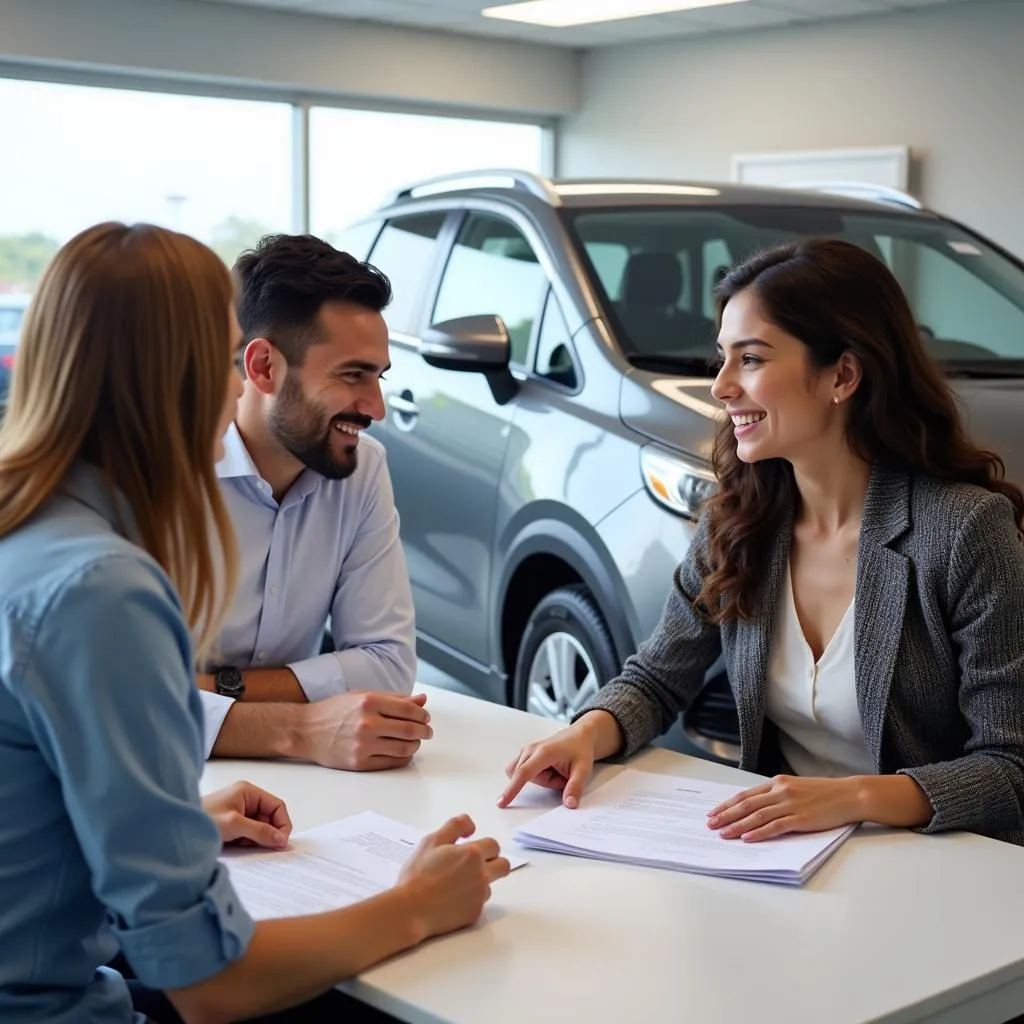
(330, 549)
(103, 840)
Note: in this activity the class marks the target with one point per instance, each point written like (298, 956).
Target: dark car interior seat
(652, 283)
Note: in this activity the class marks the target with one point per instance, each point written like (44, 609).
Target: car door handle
(403, 404)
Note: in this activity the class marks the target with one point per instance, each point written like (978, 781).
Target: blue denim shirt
(103, 840)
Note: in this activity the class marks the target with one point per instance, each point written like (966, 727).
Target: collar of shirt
(237, 464)
(88, 484)
(237, 461)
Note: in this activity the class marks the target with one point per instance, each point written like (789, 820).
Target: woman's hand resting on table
(249, 816)
(796, 804)
(785, 804)
(449, 881)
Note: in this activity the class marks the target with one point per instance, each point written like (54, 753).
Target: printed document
(661, 821)
(324, 868)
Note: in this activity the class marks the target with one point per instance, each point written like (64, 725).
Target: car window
(10, 319)
(554, 346)
(10, 325)
(962, 316)
(405, 251)
(493, 270)
(609, 259)
(967, 296)
(357, 239)
(717, 261)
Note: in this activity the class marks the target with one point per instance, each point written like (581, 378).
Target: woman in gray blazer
(860, 570)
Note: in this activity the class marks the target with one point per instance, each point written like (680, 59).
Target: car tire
(566, 654)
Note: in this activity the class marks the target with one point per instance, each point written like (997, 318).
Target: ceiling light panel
(564, 13)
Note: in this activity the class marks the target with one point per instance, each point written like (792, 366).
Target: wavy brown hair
(123, 362)
(834, 297)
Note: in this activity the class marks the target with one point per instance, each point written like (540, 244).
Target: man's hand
(363, 731)
(249, 816)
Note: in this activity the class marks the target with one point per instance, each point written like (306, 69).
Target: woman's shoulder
(953, 504)
(945, 516)
(67, 553)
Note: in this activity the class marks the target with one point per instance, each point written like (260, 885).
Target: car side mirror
(473, 344)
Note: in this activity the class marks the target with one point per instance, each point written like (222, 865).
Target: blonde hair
(123, 361)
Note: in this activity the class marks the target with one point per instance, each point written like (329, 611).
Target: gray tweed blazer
(939, 658)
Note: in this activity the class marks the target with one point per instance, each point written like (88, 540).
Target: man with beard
(317, 528)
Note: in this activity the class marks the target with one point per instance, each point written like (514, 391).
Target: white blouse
(814, 704)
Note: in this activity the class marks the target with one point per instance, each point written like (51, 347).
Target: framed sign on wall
(888, 166)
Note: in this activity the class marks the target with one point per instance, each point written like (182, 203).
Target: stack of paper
(661, 821)
(324, 868)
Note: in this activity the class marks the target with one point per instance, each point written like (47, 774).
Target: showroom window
(358, 157)
(219, 169)
(493, 270)
(405, 252)
(226, 170)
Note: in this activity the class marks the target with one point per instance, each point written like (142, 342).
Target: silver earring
(835, 399)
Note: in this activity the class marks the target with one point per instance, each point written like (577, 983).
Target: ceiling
(464, 16)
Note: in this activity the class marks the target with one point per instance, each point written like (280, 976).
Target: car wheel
(565, 656)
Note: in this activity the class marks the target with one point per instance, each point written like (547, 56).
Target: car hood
(681, 413)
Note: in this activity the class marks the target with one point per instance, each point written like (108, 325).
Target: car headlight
(675, 482)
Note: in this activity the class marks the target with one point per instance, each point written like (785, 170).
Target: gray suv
(549, 414)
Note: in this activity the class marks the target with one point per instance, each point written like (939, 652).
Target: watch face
(229, 682)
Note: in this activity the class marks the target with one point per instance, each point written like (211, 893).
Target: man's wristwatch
(229, 683)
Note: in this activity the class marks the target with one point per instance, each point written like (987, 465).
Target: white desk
(896, 927)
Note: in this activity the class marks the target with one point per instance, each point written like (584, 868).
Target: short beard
(307, 434)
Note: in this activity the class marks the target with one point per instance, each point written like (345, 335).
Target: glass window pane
(493, 270)
(219, 169)
(609, 259)
(405, 252)
(962, 316)
(554, 347)
(967, 297)
(359, 157)
(358, 239)
(86, 155)
(717, 261)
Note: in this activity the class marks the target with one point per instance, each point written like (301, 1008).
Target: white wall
(291, 52)
(948, 81)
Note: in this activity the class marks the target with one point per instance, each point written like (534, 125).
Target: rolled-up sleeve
(215, 710)
(110, 698)
(372, 619)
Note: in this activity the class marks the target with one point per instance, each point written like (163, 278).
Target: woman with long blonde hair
(115, 549)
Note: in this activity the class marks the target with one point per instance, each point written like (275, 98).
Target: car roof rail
(861, 190)
(525, 181)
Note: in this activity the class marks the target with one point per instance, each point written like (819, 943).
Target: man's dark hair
(285, 279)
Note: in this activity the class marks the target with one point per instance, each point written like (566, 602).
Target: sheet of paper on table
(325, 868)
(661, 821)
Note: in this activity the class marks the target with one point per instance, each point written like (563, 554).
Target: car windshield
(10, 323)
(654, 270)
